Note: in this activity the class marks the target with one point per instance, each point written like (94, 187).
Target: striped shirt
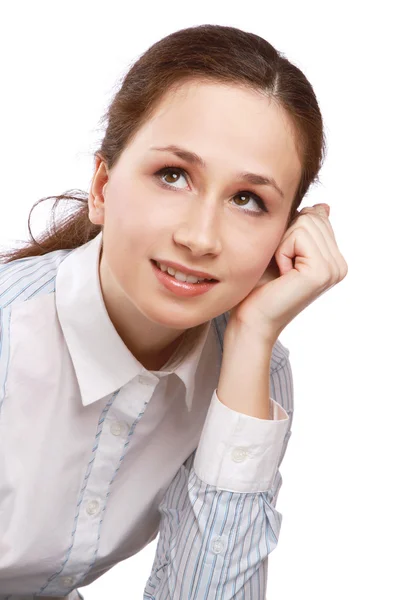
(99, 456)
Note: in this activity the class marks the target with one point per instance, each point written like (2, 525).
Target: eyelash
(167, 168)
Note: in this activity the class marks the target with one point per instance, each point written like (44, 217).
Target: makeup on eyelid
(260, 203)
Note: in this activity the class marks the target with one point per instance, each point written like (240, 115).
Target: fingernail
(326, 207)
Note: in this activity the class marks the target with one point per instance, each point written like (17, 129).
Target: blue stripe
(195, 514)
(19, 281)
(23, 282)
(82, 491)
(130, 434)
(5, 319)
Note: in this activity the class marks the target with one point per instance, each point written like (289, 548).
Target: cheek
(126, 219)
(134, 227)
(132, 205)
(251, 263)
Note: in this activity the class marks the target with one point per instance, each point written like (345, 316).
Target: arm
(244, 379)
(219, 521)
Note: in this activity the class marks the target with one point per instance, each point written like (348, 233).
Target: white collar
(101, 360)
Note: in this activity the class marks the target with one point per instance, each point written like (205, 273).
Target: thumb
(284, 255)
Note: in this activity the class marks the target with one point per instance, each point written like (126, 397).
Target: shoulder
(25, 278)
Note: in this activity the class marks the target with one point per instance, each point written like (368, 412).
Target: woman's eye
(174, 173)
(169, 172)
(256, 199)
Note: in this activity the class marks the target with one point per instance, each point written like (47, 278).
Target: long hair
(209, 53)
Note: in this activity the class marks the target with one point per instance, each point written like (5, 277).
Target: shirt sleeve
(219, 521)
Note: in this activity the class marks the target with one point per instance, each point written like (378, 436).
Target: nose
(200, 229)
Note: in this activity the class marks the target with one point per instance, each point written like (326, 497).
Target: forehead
(227, 125)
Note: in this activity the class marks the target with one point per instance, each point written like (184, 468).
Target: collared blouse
(99, 455)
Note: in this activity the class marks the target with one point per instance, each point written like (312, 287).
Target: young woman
(120, 416)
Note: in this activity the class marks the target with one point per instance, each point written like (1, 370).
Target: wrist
(244, 377)
(236, 332)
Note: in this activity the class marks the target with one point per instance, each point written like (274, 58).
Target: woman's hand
(286, 289)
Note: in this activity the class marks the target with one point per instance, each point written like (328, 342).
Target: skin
(200, 220)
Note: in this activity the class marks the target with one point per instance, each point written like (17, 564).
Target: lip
(185, 270)
(181, 288)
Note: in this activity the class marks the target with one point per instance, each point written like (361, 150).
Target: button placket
(108, 451)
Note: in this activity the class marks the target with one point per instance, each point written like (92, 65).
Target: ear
(96, 192)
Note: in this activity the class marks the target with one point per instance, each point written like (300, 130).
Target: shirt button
(117, 428)
(218, 546)
(239, 454)
(92, 507)
(67, 581)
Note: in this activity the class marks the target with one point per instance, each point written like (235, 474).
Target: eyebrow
(195, 159)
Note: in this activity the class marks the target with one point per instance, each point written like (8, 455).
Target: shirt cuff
(238, 452)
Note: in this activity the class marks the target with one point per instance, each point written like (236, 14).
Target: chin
(173, 319)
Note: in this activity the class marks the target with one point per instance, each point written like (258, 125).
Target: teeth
(189, 278)
(180, 276)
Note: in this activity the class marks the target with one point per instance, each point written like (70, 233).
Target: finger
(301, 250)
(319, 232)
(320, 218)
(319, 235)
(323, 240)
(321, 224)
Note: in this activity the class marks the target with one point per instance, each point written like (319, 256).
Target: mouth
(181, 288)
(182, 277)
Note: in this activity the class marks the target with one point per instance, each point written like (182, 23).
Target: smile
(179, 283)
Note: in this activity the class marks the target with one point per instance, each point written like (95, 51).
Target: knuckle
(342, 265)
(344, 268)
(301, 229)
(329, 275)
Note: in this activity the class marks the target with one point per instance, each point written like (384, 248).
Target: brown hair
(209, 53)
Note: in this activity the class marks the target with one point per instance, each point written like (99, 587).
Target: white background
(60, 66)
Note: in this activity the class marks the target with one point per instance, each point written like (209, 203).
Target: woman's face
(206, 218)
